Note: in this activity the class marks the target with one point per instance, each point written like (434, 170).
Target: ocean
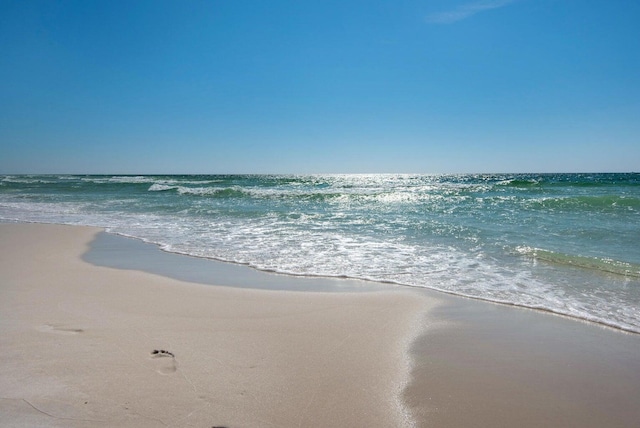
(564, 243)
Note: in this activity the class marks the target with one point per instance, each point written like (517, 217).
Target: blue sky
(309, 86)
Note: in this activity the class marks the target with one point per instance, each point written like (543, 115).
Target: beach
(78, 345)
(85, 345)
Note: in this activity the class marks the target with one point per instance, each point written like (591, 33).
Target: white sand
(76, 346)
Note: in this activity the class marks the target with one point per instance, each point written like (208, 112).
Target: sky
(309, 86)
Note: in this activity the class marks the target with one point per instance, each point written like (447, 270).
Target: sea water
(565, 243)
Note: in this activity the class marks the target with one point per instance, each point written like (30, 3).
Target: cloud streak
(466, 11)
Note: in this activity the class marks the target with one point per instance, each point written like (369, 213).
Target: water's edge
(130, 253)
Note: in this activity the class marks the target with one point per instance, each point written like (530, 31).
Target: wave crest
(594, 263)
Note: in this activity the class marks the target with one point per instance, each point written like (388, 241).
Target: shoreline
(130, 253)
(78, 341)
(138, 254)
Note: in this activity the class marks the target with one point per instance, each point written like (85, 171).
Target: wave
(592, 202)
(119, 179)
(157, 187)
(146, 179)
(221, 192)
(519, 183)
(319, 196)
(25, 179)
(568, 180)
(594, 263)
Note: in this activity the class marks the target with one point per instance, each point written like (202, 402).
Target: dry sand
(77, 349)
(77, 346)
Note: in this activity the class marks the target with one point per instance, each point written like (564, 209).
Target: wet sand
(492, 365)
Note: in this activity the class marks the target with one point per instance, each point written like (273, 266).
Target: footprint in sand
(59, 329)
(165, 361)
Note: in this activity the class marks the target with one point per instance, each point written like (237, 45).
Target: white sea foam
(157, 187)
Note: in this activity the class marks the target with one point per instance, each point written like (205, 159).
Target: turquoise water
(566, 243)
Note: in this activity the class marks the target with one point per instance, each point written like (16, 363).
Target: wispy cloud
(466, 10)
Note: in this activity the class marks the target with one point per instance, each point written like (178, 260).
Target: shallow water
(565, 243)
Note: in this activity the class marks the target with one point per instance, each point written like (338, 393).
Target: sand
(83, 345)
(78, 346)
